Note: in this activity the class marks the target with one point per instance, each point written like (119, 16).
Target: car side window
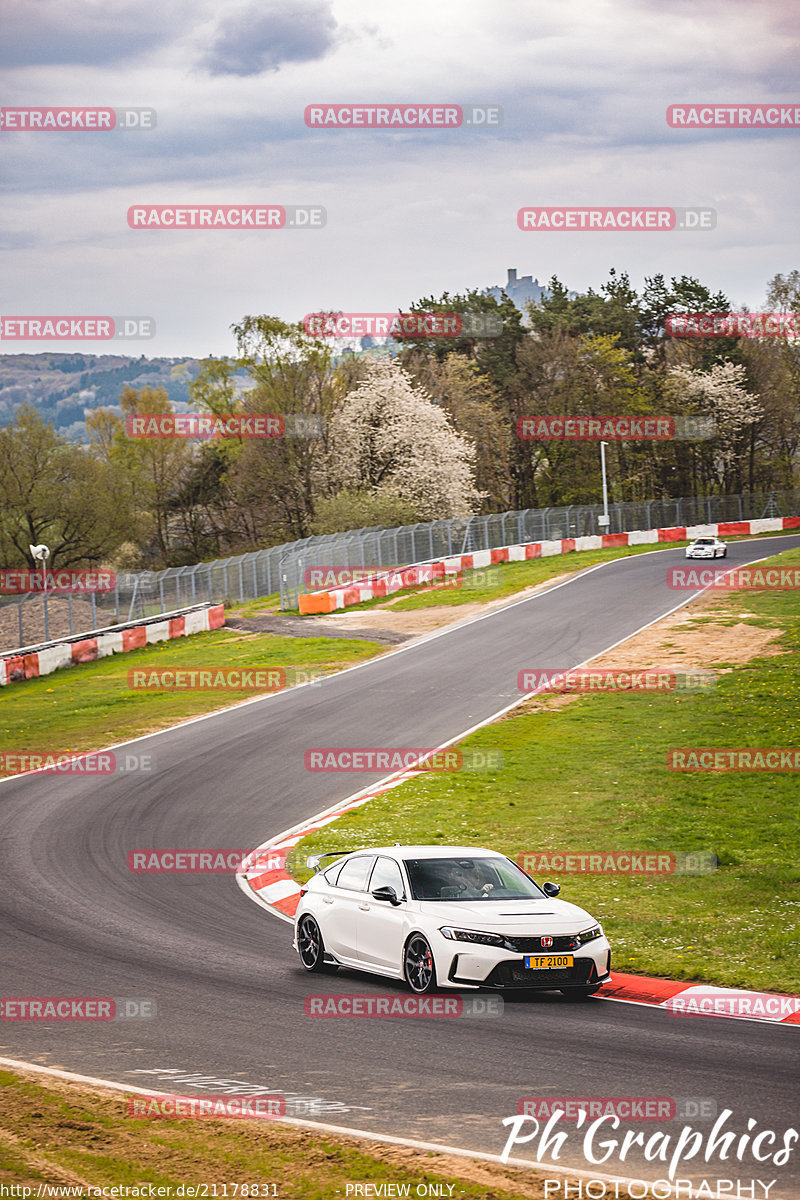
(333, 872)
(386, 873)
(355, 873)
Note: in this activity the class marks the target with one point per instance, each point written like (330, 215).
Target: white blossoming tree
(721, 393)
(391, 440)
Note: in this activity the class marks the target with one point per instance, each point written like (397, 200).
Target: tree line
(427, 431)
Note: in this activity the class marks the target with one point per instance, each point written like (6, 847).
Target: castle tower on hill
(519, 289)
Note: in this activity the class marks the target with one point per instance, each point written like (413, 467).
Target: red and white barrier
(377, 586)
(42, 660)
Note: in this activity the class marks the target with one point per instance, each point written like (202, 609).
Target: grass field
(587, 775)
(92, 705)
(57, 1133)
(592, 775)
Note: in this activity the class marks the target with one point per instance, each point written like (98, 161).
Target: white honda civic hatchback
(447, 917)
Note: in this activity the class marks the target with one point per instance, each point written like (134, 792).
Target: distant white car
(447, 917)
(707, 547)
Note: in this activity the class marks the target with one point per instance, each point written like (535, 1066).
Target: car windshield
(704, 542)
(469, 879)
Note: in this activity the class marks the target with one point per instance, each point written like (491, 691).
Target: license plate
(547, 962)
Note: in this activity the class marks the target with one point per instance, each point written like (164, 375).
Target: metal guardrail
(98, 632)
(285, 569)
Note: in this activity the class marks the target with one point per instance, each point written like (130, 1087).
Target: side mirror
(551, 889)
(385, 893)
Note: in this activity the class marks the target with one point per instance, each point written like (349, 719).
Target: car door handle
(364, 907)
(327, 899)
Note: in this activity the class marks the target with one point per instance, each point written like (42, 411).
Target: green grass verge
(255, 608)
(91, 705)
(592, 775)
(60, 1133)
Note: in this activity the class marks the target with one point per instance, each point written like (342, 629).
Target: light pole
(604, 520)
(41, 554)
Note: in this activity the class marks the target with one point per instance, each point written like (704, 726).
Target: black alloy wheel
(418, 967)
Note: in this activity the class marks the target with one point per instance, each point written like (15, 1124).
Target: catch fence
(293, 568)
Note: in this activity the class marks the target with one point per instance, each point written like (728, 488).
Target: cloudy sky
(584, 86)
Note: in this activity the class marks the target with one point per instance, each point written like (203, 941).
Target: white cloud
(584, 88)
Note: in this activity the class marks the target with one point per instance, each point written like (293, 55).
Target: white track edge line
(251, 893)
(705, 1016)
(335, 674)
(399, 650)
(385, 1138)
(364, 1135)
(303, 825)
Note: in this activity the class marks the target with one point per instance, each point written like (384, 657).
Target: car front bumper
(470, 965)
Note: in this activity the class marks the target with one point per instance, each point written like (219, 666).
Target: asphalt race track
(229, 988)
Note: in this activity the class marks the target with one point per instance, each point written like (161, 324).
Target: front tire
(310, 945)
(419, 970)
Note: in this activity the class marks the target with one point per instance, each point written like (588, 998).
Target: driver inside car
(474, 878)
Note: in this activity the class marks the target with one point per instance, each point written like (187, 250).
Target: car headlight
(472, 935)
(589, 935)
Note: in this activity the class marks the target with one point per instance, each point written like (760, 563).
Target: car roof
(403, 852)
